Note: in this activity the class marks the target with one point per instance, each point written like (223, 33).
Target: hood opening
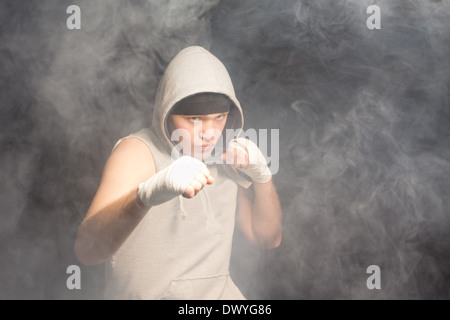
(194, 70)
(234, 120)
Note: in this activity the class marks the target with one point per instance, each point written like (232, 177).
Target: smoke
(364, 142)
(363, 118)
(67, 97)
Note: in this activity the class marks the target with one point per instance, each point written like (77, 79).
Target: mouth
(206, 147)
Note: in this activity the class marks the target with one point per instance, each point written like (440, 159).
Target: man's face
(203, 131)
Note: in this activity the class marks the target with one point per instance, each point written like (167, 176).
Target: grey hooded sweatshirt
(181, 249)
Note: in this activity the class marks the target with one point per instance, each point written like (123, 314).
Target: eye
(194, 118)
(221, 117)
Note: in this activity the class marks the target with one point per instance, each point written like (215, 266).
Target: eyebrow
(205, 115)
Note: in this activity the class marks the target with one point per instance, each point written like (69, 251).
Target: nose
(208, 133)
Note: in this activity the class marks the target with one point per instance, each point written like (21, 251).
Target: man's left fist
(245, 155)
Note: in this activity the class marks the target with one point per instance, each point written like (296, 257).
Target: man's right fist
(200, 180)
(185, 176)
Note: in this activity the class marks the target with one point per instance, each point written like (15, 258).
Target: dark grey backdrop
(364, 134)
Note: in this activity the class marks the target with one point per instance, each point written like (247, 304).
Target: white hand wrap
(170, 182)
(257, 168)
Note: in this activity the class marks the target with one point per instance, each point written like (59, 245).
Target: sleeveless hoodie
(182, 248)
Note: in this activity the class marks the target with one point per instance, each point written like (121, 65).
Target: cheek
(189, 130)
(186, 130)
(181, 124)
(220, 127)
(174, 124)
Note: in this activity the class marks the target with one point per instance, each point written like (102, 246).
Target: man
(161, 216)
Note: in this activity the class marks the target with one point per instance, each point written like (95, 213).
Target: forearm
(101, 234)
(266, 215)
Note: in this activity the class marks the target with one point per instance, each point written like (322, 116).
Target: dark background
(364, 134)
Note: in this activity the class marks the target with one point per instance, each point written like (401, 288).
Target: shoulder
(133, 152)
(130, 163)
(130, 144)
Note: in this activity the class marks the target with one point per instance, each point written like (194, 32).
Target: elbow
(277, 242)
(85, 254)
(80, 253)
(269, 242)
(86, 258)
(273, 243)
(267, 237)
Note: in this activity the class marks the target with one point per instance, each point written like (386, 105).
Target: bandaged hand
(245, 156)
(185, 176)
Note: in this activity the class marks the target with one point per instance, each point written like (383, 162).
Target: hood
(194, 70)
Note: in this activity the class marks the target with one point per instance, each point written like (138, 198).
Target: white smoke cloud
(363, 118)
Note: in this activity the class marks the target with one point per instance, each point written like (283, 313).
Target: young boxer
(162, 219)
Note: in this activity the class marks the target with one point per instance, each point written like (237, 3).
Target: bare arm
(259, 214)
(116, 209)
(101, 234)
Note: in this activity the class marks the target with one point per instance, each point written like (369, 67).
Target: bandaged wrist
(170, 182)
(257, 168)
